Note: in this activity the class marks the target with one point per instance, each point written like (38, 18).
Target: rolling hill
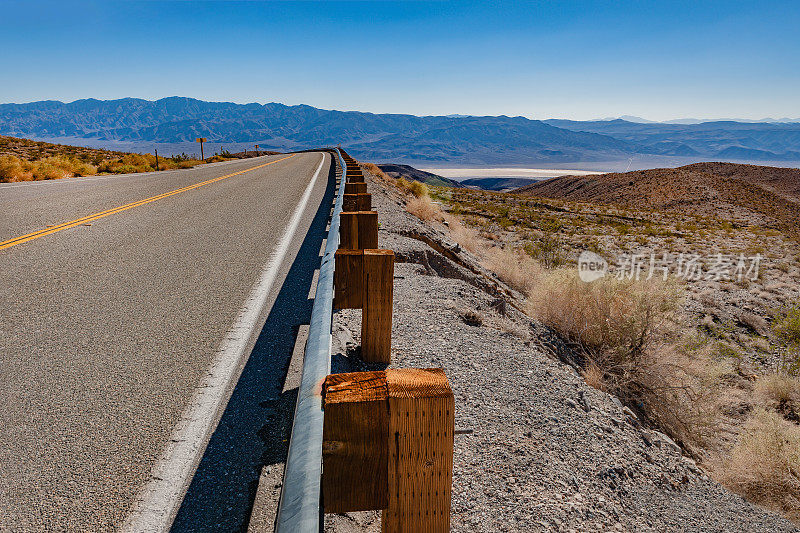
(410, 173)
(742, 194)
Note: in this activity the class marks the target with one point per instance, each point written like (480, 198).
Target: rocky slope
(741, 194)
(547, 452)
(410, 173)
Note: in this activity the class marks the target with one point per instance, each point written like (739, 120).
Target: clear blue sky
(581, 60)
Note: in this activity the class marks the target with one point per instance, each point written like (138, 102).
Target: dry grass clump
(54, 167)
(764, 466)
(614, 320)
(374, 169)
(626, 332)
(13, 168)
(423, 208)
(779, 392)
(416, 188)
(467, 237)
(514, 267)
(420, 205)
(135, 163)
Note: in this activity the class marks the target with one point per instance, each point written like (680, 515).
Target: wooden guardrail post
(376, 320)
(348, 276)
(358, 230)
(388, 444)
(355, 174)
(355, 442)
(355, 187)
(357, 202)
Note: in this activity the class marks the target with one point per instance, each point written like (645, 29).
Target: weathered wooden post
(357, 202)
(358, 230)
(355, 188)
(421, 425)
(355, 176)
(376, 319)
(388, 444)
(355, 442)
(348, 274)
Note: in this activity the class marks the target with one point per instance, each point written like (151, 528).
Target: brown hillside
(741, 194)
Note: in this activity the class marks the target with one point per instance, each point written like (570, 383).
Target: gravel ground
(547, 452)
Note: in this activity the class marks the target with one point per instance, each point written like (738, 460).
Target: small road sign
(201, 140)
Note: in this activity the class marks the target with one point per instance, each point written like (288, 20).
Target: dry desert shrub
(627, 335)
(787, 328)
(779, 392)
(12, 169)
(613, 320)
(64, 166)
(423, 208)
(375, 170)
(764, 465)
(514, 267)
(467, 237)
(48, 168)
(413, 187)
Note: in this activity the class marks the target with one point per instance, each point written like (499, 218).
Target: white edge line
(158, 502)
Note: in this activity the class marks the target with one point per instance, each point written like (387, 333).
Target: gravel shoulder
(547, 452)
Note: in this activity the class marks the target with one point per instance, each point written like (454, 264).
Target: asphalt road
(108, 326)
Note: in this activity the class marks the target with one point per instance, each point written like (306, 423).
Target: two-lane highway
(118, 296)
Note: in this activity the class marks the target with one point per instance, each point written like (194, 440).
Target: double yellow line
(113, 211)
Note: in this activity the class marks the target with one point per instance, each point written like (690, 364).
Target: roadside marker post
(201, 140)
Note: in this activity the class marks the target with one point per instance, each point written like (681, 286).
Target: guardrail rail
(340, 458)
(299, 508)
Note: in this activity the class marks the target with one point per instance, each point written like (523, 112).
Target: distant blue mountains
(468, 140)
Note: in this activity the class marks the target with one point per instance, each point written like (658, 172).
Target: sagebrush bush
(423, 208)
(513, 267)
(787, 329)
(779, 392)
(764, 465)
(626, 334)
(11, 169)
(613, 320)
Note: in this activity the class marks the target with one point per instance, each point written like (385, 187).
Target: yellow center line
(108, 212)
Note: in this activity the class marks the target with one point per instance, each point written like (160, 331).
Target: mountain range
(457, 139)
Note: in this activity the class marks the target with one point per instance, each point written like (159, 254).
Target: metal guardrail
(299, 510)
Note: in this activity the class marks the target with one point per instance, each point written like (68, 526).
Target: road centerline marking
(114, 210)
